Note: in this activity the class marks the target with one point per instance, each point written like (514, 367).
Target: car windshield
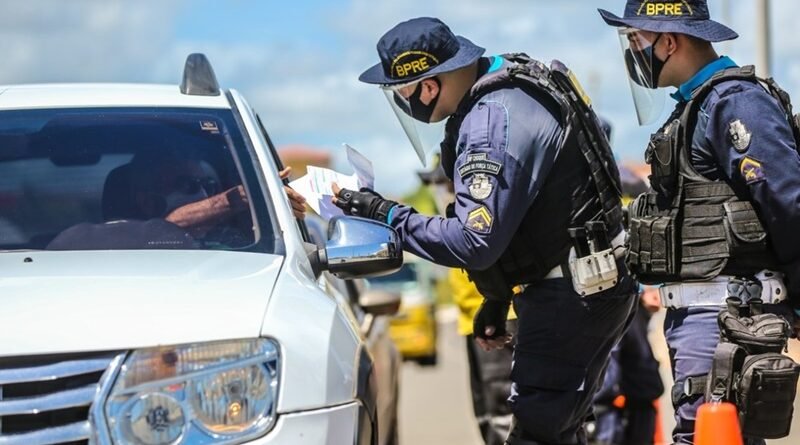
(403, 277)
(129, 178)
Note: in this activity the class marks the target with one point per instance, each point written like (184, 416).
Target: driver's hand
(237, 198)
(295, 199)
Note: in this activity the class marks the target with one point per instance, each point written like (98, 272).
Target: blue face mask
(414, 107)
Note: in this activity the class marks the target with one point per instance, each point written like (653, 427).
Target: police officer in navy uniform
(724, 203)
(519, 156)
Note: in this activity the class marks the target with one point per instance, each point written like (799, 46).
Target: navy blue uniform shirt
(506, 146)
(766, 168)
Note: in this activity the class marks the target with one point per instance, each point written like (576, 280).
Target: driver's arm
(209, 211)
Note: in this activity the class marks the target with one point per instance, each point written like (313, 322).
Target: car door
(385, 356)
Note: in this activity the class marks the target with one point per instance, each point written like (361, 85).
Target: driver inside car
(169, 202)
(185, 192)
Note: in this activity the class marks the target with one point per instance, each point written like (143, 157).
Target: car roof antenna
(198, 77)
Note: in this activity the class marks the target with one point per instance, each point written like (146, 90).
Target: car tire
(430, 360)
(394, 436)
(394, 439)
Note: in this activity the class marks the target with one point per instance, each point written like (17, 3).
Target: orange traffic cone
(717, 424)
(658, 437)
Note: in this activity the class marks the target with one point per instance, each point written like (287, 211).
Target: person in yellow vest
(489, 371)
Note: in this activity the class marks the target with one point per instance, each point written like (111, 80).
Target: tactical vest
(583, 184)
(688, 227)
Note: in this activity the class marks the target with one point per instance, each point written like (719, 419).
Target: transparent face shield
(424, 137)
(638, 55)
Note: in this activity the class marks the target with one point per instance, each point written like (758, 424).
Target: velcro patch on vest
(479, 163)
(480, 220)
(752, 171)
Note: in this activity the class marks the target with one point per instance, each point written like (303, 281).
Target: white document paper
(317, 185)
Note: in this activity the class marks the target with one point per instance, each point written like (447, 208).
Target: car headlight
(221, 392)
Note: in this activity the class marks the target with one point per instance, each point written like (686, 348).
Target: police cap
(690, 17)
(419, 48)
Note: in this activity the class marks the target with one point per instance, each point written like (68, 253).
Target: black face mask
(418, 110)
(644, 67)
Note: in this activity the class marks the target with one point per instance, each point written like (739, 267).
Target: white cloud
(306, 88)
(82, 40)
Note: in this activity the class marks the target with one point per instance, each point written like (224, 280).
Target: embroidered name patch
(479, 163)
(662, 8)
(480, 220)
(751, 170)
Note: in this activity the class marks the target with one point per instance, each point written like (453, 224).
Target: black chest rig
(582, 186)
(688, 227)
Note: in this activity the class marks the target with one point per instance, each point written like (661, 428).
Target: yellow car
(413, 329)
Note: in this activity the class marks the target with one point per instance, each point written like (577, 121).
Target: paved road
(435, 406)
(434, 402)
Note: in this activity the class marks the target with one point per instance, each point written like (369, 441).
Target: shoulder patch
(752, 171)
(481, 186)
(479, 163)
(480, 220)
(740, 136)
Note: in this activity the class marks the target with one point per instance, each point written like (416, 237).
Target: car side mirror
(380, 302)
(358, 248)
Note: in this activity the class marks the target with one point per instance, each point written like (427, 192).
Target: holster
(749, 370)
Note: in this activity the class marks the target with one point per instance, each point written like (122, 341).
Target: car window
(301, 223)
(128, 178)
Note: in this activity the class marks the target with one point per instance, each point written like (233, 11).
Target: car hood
(55, 302)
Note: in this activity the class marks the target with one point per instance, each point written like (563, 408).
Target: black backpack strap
(748, 73)
(575, 113)
(557, 83)
(728, 360)
(737, 73)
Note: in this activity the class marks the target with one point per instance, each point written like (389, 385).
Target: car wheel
(394, 439)
(429, 360)
(394, 435)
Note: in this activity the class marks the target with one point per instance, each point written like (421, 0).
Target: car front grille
(46, 400)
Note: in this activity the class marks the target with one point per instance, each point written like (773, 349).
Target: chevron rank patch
(480, 220)
(751, 170)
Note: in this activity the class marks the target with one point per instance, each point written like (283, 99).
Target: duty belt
(715, 291)
(562, 270)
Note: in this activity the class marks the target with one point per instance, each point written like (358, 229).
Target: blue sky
(297, 61)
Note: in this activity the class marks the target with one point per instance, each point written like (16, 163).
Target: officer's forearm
(445, 241)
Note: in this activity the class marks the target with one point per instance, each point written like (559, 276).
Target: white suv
(154, 285)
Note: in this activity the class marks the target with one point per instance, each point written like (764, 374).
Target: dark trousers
(563, 345)
(633, 373)
(490, 381)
